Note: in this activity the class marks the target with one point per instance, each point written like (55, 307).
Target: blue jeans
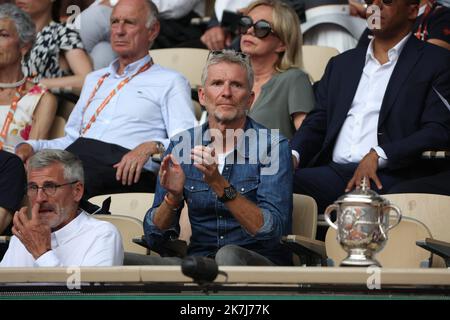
(232, 255)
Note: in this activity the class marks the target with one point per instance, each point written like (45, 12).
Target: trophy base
(359, 260)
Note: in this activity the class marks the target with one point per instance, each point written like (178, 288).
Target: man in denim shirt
(234, 174)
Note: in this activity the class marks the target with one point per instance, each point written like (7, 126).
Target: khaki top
(283, 95)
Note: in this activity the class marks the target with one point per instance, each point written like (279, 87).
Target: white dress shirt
(358, 134)
(330, 35)
(332, 26)
(229, 5)
(84, 241)
(153, 106)
(174, 9)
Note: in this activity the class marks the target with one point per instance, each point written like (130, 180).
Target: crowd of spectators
(380, 104)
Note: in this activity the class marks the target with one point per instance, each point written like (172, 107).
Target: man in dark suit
(378, 108)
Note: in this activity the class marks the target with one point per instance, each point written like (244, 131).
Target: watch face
(160, 147)
(229, 193)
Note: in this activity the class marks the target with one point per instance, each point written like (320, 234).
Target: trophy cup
(362, 224)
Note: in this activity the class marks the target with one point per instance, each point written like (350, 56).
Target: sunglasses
(262, 28)
(386, 2)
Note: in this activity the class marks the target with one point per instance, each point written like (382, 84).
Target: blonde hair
(286, 26)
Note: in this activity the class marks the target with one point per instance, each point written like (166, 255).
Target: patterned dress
(20, 128)
(43, 59)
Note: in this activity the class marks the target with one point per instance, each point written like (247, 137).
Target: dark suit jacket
(412, 118)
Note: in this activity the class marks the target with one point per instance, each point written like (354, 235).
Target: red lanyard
(10, 116)
(108, 98)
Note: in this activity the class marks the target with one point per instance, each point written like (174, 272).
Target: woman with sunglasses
(271, 37)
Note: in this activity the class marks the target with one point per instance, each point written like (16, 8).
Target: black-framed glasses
(386, 2)
(262, 28)
(49, 188)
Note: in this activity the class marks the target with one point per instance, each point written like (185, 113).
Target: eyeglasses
(386, 2)
(262, 28)
(49, 188)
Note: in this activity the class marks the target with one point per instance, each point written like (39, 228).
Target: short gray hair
(72, 166)
(24, 25)
(229, 56)
(153, 14)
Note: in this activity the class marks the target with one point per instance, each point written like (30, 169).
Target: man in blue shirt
(234, 175)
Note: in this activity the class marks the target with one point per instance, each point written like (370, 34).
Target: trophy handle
(398, 213)
(327, 213)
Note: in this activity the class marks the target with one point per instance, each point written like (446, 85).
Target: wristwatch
(229, 193)
(160, 147)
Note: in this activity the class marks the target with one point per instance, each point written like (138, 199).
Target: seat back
(129, 228)
(431, 209)
(304, 219)
(315, 59)
(136, 205)
(133, 205)
(400, 250)
(188, 61)
(304, 216)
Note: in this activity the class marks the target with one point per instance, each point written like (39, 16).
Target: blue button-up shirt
(260, 169)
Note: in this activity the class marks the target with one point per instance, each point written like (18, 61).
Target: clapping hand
(171, 175)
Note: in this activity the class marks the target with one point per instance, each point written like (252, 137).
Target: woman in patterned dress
(27, 109)
(57, 58)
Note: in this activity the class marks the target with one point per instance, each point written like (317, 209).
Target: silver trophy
(362, 224)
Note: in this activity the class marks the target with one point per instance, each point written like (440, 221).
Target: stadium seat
(400, 250)
(189, 62)
(431, 209)
(129, 228)
(133, 205)
(315, 60)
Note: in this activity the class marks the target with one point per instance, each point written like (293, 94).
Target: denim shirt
(266, 183)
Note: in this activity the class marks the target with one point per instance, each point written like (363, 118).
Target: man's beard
(220, 117)
(55, 219)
